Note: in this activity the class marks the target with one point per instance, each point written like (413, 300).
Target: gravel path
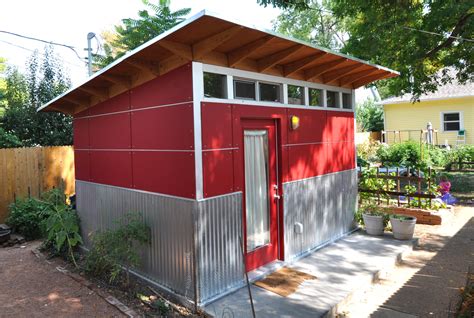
(34, 288)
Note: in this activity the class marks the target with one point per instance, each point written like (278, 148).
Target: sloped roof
(210, 39)
(451, 90)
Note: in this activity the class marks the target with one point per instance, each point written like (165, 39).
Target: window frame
(248, 80)
(461, 121)
(225, 88)
(250, 76)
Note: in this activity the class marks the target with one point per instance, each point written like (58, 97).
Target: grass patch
(462, 185)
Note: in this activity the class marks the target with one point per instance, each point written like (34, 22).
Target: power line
(44, 41)
(439, 34)
(30, 50)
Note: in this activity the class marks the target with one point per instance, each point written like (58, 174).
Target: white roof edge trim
(398, 101)
(192, 19)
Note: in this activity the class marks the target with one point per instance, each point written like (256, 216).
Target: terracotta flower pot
(373, 224)
(403, 228)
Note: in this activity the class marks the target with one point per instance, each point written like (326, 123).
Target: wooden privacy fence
(30, 171)
(413, 178)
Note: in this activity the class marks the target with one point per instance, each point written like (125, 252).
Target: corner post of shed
(198, 93)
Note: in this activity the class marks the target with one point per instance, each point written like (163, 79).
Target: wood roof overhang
(209, 39)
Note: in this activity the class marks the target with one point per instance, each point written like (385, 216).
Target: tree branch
(458, 29)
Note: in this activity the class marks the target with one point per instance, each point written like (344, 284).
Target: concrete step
(344, 268)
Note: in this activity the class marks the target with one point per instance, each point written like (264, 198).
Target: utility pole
(90, 36)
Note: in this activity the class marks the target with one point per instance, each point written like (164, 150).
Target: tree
(429, 42)
(134, 32)
(369, 116)
(3, 85)
(315, 25)
(44, 81)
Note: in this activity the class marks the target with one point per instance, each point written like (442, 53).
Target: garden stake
(246, 276)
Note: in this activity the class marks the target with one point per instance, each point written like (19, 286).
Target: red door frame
(273, 250)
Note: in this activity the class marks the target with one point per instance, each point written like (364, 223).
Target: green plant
(368, 181)
(458, 155)
(367, 151)
(371, 209)
(26, 217)
(114, 251)
(61, 225)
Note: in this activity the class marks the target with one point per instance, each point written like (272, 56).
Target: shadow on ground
(434, 290)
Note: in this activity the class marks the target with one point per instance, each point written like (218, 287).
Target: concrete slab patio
(342, 268)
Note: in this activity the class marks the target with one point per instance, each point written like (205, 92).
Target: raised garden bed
(428, 217)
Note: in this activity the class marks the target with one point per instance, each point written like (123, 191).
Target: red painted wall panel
(312, 125)
(216, 122)
(165, 172)
(340, 126)
(218, 172)
(117, 103)
(111, 167)
(163, 128)
(307, 161)
(82, 165)
(110, 132)
(81, 133)
(173, 87)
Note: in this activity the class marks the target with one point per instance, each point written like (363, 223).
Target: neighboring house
(219, 134)
(450, 110)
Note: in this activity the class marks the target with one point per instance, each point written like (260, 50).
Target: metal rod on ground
(419, 188)
(246, 276)
(429, 184)
(398, 186)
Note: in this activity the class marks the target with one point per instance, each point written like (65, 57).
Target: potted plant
(403, 226)
(374, 220)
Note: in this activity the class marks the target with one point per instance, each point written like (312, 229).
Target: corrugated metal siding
(169, 258)
(325, 205)
(220, 264)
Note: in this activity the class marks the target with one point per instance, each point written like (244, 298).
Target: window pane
(451, 126)
(346, 101)
(332, 99)
(215, 85)
(449, 117)
(315, 97)
(295, 95)
(270, 92)
(244, 89)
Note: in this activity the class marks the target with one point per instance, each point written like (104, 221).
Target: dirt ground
(427, 282)
(33, 288)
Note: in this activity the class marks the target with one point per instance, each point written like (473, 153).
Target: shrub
(50, 217)
(459, 155)
(367, 151)
(26, 217)
(411, 155)
(114, 251)
(61, 225)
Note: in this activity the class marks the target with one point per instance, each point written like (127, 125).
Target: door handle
(276, 196)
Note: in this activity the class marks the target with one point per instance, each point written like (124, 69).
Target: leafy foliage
(369, 116)
(460, 154)
(411, 154)
(9, 140)
(154, 20)
(367, 152)
(399, 35)
(61, 225)
(44, 81)
(114, 249)
(315, 25)
(26, 217)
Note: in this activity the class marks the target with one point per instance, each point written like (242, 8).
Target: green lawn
(462, 185)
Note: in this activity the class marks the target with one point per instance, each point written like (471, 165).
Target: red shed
(219, 133)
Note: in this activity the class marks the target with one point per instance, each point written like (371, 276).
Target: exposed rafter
(118, 79)
(143, 65)
(171, 63)
(239, 54)
(208, 44)
(102, 93)
(268, 61)
(369, 79)
(181, 49)
(76, 101)
(295, 66)
(338, 73)
(346, 79)
(321, 69)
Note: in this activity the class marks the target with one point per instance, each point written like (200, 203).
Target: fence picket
(30, 171)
